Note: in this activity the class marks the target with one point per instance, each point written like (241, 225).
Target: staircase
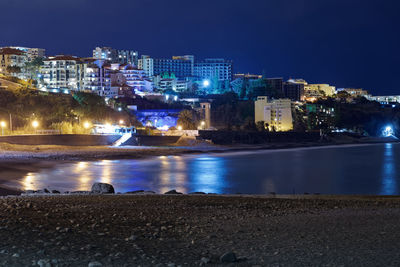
(123, 139)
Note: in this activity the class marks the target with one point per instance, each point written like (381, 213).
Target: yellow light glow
(121, 122)
(3, 124)
(202, 123)
(86, 124)
(180, 128)
(35, 124)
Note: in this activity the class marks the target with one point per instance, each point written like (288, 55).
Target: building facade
(276, 114)
(62, 72)
(356, 92)
(293, 91)
(136, 79)
(12, 62)
(181, 67)
(214, 68)
(116, 56)
(146, 63)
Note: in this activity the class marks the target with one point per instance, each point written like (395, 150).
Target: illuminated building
(385, 99)
(293, 90)
(62, 72)
(276, 113)
(213, 68)
(136, 79)
(168, 82)
(31, 53)
(354, 91)
(96, 77)
(320, 116)
(13, 58)
(116, 56)
(78, 74)
(146, 63)
(180, 66)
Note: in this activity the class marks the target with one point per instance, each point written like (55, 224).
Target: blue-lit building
(182, 67)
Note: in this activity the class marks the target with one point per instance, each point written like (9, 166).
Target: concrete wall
(61, 139)
(151, 140)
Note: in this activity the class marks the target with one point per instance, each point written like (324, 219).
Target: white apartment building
(10, 57)
(31, 53)
(116, 56)
(62, 72)
(173, 84)
(136, 78)
(277, 113)
(146, 63)
(77, 74)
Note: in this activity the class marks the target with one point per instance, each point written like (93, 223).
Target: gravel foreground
(196, 230)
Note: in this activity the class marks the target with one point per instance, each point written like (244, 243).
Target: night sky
(342, 42)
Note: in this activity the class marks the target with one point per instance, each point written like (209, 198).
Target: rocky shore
(146, 229)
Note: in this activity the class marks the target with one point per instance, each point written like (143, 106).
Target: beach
(198, 230)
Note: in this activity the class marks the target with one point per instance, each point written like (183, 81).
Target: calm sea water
(363, 169)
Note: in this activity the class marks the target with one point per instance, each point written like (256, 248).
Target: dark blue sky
(342, 42)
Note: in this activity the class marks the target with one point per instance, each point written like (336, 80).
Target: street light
(86, 125)
(179, 128)
(3, 125)
(121, 122)
(35, 124)
(202, 124)
(206, 83)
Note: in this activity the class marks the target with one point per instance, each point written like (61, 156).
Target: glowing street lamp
(35, 124)
(121, 122)
(3, 125)
(86, 125)
(179, 128)
(206, 83)
(202, 124)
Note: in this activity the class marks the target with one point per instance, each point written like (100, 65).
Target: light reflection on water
(336, 170)
(389, 185)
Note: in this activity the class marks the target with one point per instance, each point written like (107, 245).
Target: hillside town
(182, 93)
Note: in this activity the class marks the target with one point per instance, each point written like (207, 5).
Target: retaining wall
(61, 139)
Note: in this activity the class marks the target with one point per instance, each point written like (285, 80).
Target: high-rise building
(275, 85)
(214, 68)
(181, 66)
(146, 63)
(293, 90)
(116, 56)
(275, 114)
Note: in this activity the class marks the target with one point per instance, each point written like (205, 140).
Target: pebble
(228, 257)
(95, 264)
(44, 263)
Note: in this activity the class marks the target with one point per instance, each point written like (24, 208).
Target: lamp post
(3, 125)
(35, 124)
(9, 113)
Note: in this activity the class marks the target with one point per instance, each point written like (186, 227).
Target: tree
(33, 67)
(13, 69)
(187, 120)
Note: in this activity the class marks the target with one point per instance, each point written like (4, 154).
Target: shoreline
(24, 153)
(19, 160)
